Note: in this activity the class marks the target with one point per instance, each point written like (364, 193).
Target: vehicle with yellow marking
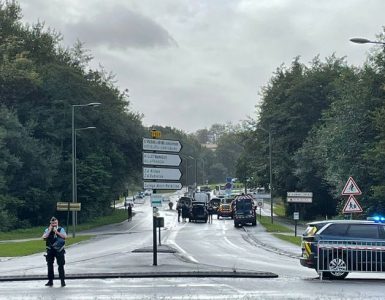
(352, 231)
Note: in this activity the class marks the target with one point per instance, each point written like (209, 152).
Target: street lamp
(203, 171)
(186, 160)
(74, 187)
(271, 174)
(365, 41)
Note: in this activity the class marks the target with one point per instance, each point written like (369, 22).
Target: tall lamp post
(365, 41)
(203, 170)
(74, 187)
(271, 174)
(186, 160)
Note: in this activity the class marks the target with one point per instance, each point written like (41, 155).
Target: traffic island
(192, 274)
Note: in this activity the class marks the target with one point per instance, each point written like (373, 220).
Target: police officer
(55, 240)
(129, 212)
(210, 211)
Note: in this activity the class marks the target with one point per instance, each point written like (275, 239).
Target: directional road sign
(161, 145)
(299, 200)
(299, 197)
(158, 159)
(68, 206)
(161, 173)
(162, 185)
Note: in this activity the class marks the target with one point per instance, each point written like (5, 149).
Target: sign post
(298, 197)
(68, 206)
(351, 189)
(296, 218)
(160, 154)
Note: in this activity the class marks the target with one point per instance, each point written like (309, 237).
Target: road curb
(270, 247)
(196, 274)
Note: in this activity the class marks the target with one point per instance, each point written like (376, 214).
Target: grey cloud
(120, 28)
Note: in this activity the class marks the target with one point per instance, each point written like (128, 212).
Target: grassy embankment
(21, 248)
(280, 231)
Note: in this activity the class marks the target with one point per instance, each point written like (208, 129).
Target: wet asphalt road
(200, 247)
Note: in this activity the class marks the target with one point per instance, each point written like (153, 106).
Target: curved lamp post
(186, 158)
(365, 41)
(74, 187)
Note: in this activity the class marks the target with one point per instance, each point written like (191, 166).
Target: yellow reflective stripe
(313, 231)
(307, 248)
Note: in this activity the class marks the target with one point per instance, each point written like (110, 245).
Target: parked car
(346, 255)
(244, 210)
(198, 212)
(147, 193)
(184, 200)
(224, 210)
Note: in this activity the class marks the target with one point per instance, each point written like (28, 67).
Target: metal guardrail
(339, 257)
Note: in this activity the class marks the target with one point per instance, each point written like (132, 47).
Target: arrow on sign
(158, 159)
(161, 145)
(161, 173)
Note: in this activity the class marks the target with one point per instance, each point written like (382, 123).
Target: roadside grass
(119, 215)
(14, 249)
(296, 240)
(279, 210)
(275, 227)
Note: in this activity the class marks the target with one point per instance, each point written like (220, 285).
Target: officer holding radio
(55, 240)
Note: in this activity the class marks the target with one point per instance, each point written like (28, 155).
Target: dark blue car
(344, 246)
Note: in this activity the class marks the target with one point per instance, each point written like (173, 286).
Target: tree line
(326, 120)
(41, 82)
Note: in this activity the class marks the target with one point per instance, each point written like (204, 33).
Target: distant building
(210, 146)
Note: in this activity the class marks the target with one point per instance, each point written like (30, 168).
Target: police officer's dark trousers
(60, 260)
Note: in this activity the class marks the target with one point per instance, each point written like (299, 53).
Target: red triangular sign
(352, 206)
(351, 188)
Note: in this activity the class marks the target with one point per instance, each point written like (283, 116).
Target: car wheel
(218, 217)
(254, 223)
(337, 268)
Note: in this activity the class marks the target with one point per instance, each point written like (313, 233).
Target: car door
(363, 255)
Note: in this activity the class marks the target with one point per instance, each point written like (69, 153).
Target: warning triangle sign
(351, 188)
(352, 206)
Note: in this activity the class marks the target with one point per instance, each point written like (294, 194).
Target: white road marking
(171, 240)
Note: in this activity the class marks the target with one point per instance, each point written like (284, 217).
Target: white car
(148, 192)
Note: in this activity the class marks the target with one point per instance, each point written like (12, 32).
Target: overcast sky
(192, 63)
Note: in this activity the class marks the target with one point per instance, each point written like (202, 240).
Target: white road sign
(161, 145)
(300, 194)
(162, 185)
(351, 188)
(352, 206)
(299, 197)
(158, 159)
(161, 173)
(156, 200)
(299, 200)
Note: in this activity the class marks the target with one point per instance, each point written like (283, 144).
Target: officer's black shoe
(63, 284)
(49, 283)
